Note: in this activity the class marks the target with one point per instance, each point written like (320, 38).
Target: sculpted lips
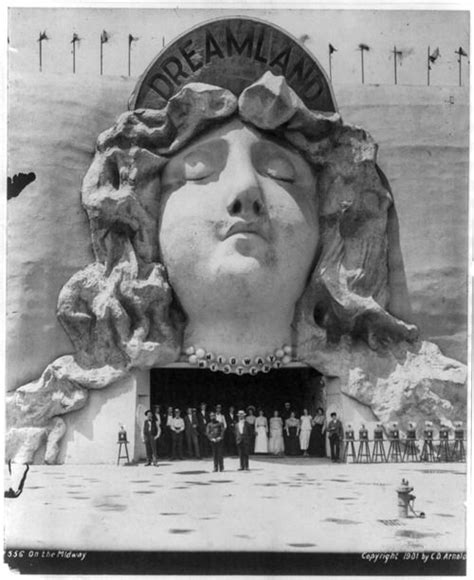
(243, 227)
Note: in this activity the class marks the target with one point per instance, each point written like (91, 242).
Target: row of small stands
(409, 449)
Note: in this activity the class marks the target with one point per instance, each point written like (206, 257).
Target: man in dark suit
(149, 436)
(203, 420)
(215, 433)
(335, 433)
(191, 433)
(229, 437)
(243, 439)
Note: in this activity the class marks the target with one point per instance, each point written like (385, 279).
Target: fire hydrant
(405, 497)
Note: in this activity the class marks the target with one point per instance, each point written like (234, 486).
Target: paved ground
(286, 504)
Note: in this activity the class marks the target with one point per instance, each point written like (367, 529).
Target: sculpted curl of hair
(121, 310)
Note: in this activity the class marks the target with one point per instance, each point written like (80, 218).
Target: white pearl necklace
(203, 359)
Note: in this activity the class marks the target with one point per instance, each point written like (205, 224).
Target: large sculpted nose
(246, 197)
(246, 204)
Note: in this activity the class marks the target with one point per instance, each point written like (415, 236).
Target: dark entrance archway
(183, 387)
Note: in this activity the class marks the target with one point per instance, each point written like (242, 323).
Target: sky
(411, 31)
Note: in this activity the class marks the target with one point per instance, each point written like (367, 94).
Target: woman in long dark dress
(250, 419)
(317, 440)
(292, 428)
(166, 432)
(161, 447)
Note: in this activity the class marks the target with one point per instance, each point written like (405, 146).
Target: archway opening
(188, 387)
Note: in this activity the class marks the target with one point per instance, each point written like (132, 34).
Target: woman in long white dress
(305, 431)
(261, 429)
(276, 444)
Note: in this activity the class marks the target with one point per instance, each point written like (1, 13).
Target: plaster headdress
(234, 54)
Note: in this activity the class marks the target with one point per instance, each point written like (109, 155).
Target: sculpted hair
(121, 310)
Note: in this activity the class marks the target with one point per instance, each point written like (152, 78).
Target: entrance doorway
(187, 387)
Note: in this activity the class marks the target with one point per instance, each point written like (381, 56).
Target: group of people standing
(200, 433)
(290, 433)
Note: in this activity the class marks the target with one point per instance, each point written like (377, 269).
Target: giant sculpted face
(238, 236)
(252, 222)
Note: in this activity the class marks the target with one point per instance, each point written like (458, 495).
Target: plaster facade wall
(92, 432)
(54, 122)
(423, 139)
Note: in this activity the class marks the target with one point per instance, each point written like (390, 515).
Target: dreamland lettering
(254, 44)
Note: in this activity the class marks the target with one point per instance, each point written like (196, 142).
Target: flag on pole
(104, 37)
(132, 39)
(434, 55)
(364, 47)
(462, 52)
(75, 38)
(332, 48)
(43, 36)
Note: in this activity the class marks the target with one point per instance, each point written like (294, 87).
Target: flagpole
(101, 55)
(362, 63)
(428, 65)
(330, 66)
(42, 36)
(460, 68)
(73, 56)
(395, 62)
(129, 51)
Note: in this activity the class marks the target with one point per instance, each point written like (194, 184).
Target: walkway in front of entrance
(290, 504)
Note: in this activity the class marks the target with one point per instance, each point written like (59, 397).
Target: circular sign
(233, 53)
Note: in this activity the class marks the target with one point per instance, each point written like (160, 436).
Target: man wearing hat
(243, 440)
(215, 434)
(335, 433)
(151, 432)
